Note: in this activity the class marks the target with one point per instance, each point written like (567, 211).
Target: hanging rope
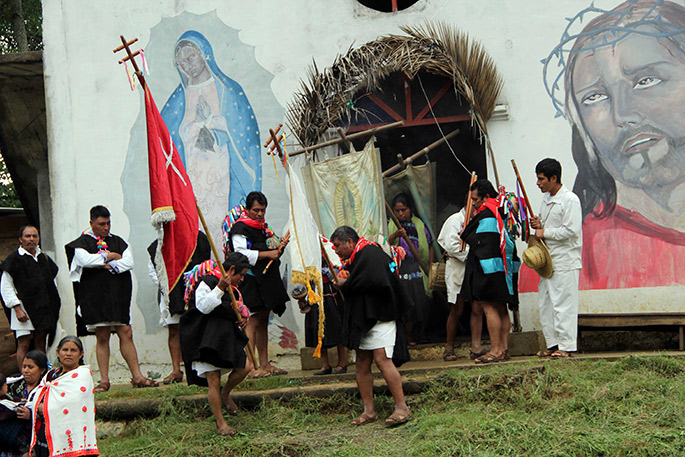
(438, 125)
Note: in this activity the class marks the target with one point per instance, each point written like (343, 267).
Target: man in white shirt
(455, 268)
(100, 265)
(560, 225)
(29, 292)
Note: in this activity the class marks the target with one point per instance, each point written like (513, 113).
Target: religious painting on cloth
(347, 190)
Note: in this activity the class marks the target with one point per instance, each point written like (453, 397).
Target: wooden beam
(354, 136)
(395, 168)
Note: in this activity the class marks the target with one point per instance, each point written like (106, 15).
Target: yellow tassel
(317, 351)
(312, 296)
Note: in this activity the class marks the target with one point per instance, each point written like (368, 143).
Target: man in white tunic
(455, 267)
(560, 224)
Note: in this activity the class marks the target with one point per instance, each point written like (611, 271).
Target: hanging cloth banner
(304, 248)
(347, 190)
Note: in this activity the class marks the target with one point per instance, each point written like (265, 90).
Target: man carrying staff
(100, 268)
(262, 289)
(211, 334)
(560, 225)
(490, 280)
(375, 301)
(29, 291)
(170, 313)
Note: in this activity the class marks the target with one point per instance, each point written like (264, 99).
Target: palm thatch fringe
(325, 98)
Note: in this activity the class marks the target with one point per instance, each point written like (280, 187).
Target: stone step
(520, 344)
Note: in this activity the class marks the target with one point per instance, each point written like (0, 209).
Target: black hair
(344, 233)
(593, 185)
(24, 227)
(237, 260)
(548, 168)
(253, 197)
(72, 339)
(3, 380)
(98, 211)
(39, 358)
(405, 200)
(484, 187)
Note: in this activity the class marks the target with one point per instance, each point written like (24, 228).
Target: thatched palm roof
(325, 98)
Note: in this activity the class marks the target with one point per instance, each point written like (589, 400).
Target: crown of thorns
(617, 31)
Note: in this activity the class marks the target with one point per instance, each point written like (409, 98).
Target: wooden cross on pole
(139, 74)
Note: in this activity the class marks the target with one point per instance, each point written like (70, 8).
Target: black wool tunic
(34, 282)
(485, 278)
(100, 295)
(374, 292)
(202, 252)
(332, 305)
(260, 291)
(213, 338)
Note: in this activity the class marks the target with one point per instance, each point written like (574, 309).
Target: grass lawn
(631, 407)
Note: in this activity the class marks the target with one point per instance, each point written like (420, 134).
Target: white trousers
(558, 305)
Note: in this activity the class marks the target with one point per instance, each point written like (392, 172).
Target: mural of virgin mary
(215, 130)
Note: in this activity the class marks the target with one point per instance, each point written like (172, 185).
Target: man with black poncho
(375, 301)
(100, 265)
(29, 293)
(171, 311)
(263, 288)
(212, 340)
(491, 277)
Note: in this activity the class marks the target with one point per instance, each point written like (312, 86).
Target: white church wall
(96, 125)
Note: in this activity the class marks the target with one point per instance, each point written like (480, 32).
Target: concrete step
(520, 344)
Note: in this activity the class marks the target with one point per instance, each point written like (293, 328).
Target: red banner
(174, 212)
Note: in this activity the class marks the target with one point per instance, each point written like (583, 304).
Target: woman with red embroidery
(64, 407)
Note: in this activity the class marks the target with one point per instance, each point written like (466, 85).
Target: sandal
(256, 374)
(278, 371)
(546, 353)
(506, 356)
(146, 382)
(475, 355)
(103, 386)
(172, 379)
(363, 419)
(449, 355)
(487, 358)
(397, 418)
(340, 369)
(559, 354)
(229, 431)
(323, 371)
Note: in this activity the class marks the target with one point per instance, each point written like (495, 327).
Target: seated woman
(15, 422)
(212, 337)
(410, 272)
(64, 406)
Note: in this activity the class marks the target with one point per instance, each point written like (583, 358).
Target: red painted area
(624, 251)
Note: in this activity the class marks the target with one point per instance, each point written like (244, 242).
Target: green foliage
(632, 407)
(33, 20)
(8, 194)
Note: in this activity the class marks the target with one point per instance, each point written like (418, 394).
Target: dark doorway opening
(430, 108)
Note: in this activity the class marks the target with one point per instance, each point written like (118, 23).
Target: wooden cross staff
(131, 56)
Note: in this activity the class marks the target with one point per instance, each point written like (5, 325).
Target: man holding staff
(490, 280)
(262, 289)
(375, 301)
(559, 224)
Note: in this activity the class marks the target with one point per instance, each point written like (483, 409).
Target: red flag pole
(126, 45)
